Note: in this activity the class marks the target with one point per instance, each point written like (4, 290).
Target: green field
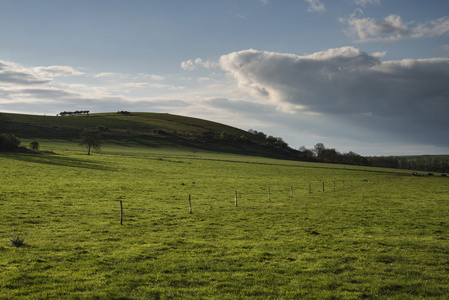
(372, 233)
(300, 230)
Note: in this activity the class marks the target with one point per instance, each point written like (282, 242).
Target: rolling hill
(150, 130)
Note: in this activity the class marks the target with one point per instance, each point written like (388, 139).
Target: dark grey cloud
(407, 99)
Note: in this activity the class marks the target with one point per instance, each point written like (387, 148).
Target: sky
(368, 76)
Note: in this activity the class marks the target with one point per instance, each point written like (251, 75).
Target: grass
(386, 236)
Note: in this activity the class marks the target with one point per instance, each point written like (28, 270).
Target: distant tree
(353, 158)
(318, 148)
(262, 135)
(330, 155)
(34, 145)
(9, 142)
(305, 154)
(90, 139)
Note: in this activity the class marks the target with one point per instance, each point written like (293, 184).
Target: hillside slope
(151, 129)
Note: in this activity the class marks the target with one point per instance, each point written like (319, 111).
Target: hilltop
(151, 130)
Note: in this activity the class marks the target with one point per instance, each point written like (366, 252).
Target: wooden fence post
(310, 188)
(291, 190)
(121, 212)
(323, 186)
(235, 198)
(190, 205)
(269, 198)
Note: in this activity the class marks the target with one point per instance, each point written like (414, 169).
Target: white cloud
(157, 77)
(152, 85)
(110, 75)
(146, 76)
(409, 98)
(367, 2)
(12, 73)
(315, 6)
(57, 71)
(191, 65)
(392, 28)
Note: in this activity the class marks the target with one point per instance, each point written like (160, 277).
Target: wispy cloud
(152, 85)
(157, 77)
(110, 75)
(367, 2)
(315, 6)
(392, 28)
(57, 71)
(191, 65)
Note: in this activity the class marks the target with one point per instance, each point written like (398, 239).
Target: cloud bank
(341, 94)
(406, 98)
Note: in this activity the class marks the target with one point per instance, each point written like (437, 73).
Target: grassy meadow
(371, 234)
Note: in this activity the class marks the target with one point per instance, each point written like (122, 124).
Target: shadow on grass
(57, 160)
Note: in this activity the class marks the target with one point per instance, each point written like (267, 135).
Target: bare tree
(90, 139)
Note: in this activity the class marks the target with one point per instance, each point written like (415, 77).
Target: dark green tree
(90, 139)
(34, 145)
(318, 148)
(9, 142)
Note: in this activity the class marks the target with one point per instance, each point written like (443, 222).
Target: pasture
(372, 233)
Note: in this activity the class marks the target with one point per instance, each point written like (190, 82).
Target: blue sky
(369, 76)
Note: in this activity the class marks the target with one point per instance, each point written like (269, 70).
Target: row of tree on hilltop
(73, 113)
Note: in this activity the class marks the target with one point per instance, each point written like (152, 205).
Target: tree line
(73, 113)
(320, 153)
(270, 141)
(426, 164)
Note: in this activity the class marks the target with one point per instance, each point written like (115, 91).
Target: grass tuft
(17, 242)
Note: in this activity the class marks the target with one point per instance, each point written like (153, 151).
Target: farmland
(260, 227)
(372, 233)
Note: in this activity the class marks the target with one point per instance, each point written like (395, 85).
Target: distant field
(372, 233)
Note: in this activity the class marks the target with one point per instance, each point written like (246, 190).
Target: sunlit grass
(386, 236)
